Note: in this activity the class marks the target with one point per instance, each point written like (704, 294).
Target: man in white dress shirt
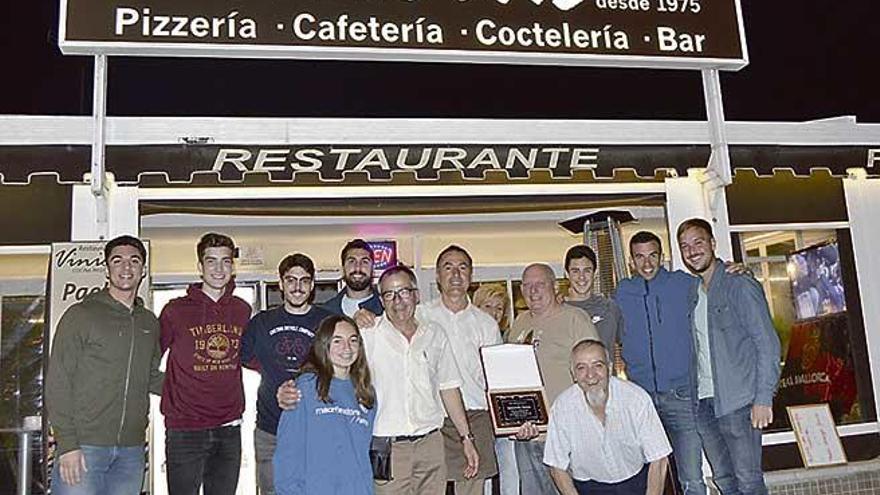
(416, 378)
(605, 436)
(468, 328)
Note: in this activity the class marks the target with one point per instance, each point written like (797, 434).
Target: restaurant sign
(429, 163)
(685, 34)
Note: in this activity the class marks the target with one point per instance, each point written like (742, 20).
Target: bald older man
(553, 329)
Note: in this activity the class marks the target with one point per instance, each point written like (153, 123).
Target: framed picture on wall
(816, 435)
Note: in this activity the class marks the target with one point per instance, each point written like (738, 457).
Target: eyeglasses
(404, 293)
(297, 282)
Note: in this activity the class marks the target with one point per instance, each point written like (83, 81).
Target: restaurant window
(808, 277)
(21, 379)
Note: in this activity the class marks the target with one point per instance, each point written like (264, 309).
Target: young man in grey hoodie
(104, 362)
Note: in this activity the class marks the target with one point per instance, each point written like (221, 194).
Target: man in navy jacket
(659, 351)
(741, 351)
(359, 299)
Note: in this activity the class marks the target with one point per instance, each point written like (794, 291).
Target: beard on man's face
(597, 396)
(358, 283)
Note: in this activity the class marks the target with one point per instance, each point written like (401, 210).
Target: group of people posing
(378, 370)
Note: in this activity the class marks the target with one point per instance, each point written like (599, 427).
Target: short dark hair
(296, 259)
(214, 240)
(697, 223)
(644, 237)
(125, 240)
(578, 252)
(454, 248)
(354, 244)
(398, 268)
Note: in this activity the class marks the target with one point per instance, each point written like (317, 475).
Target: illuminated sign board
(384, 255)
(684, 34)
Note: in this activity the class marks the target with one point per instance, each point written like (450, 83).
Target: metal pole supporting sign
(719, 160)
(99, 137)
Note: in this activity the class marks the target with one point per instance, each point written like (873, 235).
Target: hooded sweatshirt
(105, 360)
(203, 386)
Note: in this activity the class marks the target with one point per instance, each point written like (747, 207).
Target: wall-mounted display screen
(816, 281)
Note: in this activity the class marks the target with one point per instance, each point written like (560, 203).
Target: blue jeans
(211, 457)
(692, 428)
(116, 470)
(507, 471)
(264, 452)
(744, 444)
(534, 476)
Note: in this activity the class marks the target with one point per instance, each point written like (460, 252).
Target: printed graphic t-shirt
(277, 343)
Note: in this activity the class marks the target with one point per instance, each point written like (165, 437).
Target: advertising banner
(683, 34)
(76, 270)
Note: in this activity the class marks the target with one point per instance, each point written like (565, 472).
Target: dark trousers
(209, 457)
(633, 486)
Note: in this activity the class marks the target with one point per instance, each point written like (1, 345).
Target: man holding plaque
(467, 329)
(628, 448)
(738, 351)
(553, 329)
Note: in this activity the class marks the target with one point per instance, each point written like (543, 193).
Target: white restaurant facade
(284, 185)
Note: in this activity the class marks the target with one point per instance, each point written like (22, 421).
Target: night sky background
(809, 60)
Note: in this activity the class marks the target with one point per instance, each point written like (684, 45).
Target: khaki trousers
(417, 468)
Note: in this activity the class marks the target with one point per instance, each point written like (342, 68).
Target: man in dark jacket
(105, 360)
(203, 398)
(359, 299)
(658, 349)
(738, 352)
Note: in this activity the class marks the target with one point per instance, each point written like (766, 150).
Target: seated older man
(604, 435)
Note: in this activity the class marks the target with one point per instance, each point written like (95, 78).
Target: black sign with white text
(426, 162)
(633, 33)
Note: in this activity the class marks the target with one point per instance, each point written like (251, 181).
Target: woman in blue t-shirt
(323, 444)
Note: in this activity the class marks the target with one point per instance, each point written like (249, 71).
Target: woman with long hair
(323, 444)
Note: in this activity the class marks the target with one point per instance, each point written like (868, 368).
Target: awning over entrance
(365, 164)
(202, 151)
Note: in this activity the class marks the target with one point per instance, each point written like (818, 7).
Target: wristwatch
(468, 436)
